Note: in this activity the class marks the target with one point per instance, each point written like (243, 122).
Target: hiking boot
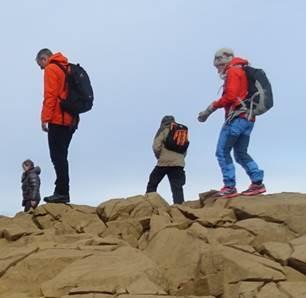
(57, 198)
(227, 192)
(254, 189)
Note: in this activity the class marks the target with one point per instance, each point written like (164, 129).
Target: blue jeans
(236, 135)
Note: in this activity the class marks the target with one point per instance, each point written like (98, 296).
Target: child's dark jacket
(30, 185)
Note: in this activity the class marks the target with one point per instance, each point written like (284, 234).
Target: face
(42, 61)
(26, 167)
(221, 68)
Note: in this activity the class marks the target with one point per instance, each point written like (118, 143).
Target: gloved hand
(203, 116)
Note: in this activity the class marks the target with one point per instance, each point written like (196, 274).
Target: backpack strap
(63, 68)
(172, 125)
(65, 71)
(60, 66)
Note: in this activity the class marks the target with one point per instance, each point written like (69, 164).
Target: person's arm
(231, 89)
(34, 184)
(50, 95)
(159, 141)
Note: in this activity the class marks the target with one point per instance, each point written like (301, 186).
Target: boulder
(207, 198)
(11, 257)
(176, 215)
(32, 268)
(116, 272)
(195, 204)
(279, 251)
(140, 247)
(298, 241)
(160, 296)
(68, 219)
(298, 258)
(209, 217)
(90, 296)
(135, 207)
(14, 228)
(220, 235)
(287, 208)
(129, 230)
(158, 223)
(244, 289)
(293, 289)
(229, 236)
(241, 266)
(178, 254)
(294, 275)
(271, 290)
(264, 231)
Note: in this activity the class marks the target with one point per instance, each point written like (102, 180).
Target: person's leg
(34, 204)
(177, 179)
(59, 138)
(155, 178)
(229, 136)
(225, 144)
(246, 161)
(27, 206)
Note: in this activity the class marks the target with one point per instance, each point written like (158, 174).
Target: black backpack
(80, 94)
(260, 96)
(177, 139)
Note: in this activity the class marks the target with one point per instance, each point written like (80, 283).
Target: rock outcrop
(141, 247)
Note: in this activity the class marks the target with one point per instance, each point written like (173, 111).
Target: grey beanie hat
(166, 120)
(223, 56)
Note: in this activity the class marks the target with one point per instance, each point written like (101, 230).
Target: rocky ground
(141, 247)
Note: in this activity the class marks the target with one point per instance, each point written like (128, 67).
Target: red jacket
(235, 86)
(55, 91)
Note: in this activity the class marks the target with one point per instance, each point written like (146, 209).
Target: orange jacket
(55, 91)
(235, 86)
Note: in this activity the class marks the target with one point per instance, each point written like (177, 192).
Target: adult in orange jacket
(235, 133)
(59, 124)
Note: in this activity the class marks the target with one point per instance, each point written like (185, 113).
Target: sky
(146, 59)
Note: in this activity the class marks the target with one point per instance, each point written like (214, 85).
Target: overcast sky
(148, 58)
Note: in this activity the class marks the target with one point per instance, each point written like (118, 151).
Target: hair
(28, 163)
(42, 52)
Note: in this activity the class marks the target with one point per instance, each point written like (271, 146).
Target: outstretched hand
(203, 116)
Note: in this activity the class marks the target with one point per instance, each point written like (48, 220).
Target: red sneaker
(227, 192)
(254, 189)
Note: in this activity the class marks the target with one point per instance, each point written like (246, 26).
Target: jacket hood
(165, 122)
(36, 170)
(59, 58)
(238, 61)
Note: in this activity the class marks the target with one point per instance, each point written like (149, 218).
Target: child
(30, 185)
(170, 157)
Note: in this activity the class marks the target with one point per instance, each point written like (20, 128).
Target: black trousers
(177, 179)
(59, 138)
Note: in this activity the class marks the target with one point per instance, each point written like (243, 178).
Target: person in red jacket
(59, 125)
(236, 131)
